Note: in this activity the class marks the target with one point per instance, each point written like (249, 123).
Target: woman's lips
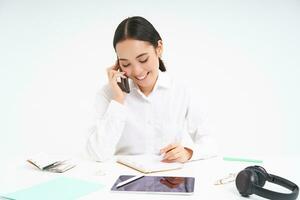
(140, 78)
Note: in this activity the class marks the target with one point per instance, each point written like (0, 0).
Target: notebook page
(148, 163)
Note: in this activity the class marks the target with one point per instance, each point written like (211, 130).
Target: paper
(148, 163)
(61, 188)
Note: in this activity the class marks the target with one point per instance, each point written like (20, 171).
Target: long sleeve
(144, 123)
(198, 137)
(110, 121)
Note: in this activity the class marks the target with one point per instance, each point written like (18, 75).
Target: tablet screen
(157, 184)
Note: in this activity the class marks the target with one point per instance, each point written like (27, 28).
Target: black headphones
(252, 179)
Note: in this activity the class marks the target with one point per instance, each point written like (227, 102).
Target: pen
(53, 165)
(242, 159)
(129, 180)
(162, 155)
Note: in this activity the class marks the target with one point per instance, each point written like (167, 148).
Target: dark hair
(140, 29)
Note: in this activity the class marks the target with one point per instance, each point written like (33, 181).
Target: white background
(241, 59)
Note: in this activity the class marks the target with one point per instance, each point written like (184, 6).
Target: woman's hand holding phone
(114, 75)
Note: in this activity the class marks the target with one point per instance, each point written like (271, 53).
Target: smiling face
(140, 62)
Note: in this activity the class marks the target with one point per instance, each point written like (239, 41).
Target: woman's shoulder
(179, 84)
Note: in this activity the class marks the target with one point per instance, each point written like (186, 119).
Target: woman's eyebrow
(142, 54)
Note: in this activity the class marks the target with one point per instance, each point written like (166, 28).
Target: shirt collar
(163, 80)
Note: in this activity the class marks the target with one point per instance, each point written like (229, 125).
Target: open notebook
(147, 163)
(51, 163)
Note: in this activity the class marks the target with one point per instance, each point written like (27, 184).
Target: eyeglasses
(228, 179)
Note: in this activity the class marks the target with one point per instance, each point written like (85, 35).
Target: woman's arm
(110, 121)
(198, 138)
(195, 141)
(110, 117)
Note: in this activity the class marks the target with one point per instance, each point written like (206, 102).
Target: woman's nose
(137, 69)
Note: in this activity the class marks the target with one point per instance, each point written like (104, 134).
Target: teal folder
(62, 188)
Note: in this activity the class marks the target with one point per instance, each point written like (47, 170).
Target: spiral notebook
(148, 163)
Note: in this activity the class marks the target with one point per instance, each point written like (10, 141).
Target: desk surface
(17, 174)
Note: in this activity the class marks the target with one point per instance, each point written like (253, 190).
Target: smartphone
(124, 84)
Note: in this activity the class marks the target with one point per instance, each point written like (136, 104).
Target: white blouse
(145, 124)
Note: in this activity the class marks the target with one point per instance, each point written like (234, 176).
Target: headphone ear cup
(245, 180)
(261, 174)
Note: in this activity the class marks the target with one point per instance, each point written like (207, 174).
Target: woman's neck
(147, 90)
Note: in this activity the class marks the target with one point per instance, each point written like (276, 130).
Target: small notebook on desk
(147, 163)
(51, 163)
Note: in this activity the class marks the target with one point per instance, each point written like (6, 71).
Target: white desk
(18, 174)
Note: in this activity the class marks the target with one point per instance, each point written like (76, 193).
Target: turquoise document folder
(62, 188)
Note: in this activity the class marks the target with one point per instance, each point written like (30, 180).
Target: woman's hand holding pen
(113, 75)
(175, 152)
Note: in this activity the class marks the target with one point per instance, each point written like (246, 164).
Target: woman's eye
(126, 65)
(143, 61)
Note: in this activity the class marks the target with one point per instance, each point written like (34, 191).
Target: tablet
(156, 184)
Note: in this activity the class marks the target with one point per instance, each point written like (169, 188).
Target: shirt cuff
(206, 148)
(202, 153)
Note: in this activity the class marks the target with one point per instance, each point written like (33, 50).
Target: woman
(157, 116)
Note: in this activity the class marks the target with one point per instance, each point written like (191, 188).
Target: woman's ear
(159, 48)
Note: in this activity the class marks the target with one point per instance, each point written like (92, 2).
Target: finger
(168, 148)
(182, 156)
(120, 75)
(173, 156)
(110, 72)
(114, 75)
(174, 151)
(116, 66)
(171, 152)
